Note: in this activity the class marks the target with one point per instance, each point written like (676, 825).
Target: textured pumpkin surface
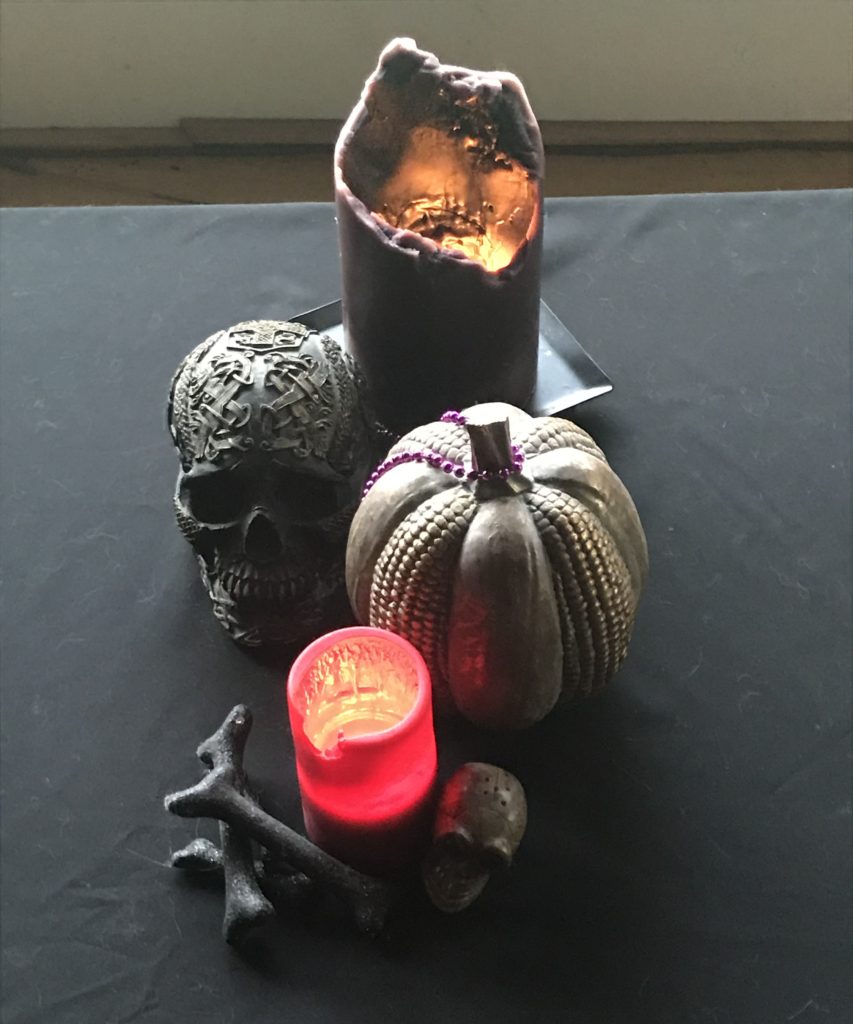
(515, 591)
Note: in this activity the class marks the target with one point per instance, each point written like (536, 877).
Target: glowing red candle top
(360, 709)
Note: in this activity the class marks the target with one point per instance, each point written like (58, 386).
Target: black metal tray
(567, 374)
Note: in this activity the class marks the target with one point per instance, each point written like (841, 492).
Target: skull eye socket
(216, 500)
(308, 498)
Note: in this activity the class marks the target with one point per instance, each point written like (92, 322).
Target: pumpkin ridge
(449, 440)
(615, 593)
(603, 578)
(571, 659)
(570, 524)
(549, 433)
(612, 584)
(606, 566)
(411, 589)
(579, 636)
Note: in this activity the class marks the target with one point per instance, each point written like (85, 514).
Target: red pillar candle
(360, 709)
(438, 190)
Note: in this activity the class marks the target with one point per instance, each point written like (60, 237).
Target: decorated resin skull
(480, 822)
(274, 449)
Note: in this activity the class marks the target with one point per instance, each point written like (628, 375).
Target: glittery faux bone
(219, 795)
(280, 883)
(246, 906)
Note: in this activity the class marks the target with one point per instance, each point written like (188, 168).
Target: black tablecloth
(688, 853)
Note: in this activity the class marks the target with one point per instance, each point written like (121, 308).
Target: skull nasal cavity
(262, 542)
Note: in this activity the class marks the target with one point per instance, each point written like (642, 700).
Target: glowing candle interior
(462, 194)
(356, 688)
(360, 709)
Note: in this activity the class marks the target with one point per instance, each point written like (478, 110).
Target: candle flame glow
(445, 188)
(356, 688)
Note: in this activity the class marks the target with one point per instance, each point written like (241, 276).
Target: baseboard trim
(65, 141)
(704, 134)
(200, 134)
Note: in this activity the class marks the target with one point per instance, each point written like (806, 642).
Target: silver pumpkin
(507, 550)
(274, 447)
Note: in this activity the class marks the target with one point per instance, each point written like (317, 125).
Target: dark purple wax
(430, 326)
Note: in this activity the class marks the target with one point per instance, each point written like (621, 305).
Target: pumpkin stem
(491, 445)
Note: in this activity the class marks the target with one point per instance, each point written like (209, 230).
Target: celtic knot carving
(222, 401)
(263, 336)
(300, 419)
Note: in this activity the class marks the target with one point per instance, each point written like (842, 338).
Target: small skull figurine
(274, 448)
(479, 824)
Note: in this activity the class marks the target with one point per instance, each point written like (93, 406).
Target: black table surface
(688, 857)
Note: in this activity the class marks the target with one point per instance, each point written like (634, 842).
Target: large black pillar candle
(438, 187)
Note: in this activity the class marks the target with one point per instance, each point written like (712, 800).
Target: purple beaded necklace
(461, 470)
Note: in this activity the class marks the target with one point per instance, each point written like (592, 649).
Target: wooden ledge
(200, 134)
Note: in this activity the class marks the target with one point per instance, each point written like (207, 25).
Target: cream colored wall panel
(151, 62)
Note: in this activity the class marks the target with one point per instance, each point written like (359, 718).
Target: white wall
(150, 62)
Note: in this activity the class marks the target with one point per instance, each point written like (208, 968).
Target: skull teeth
(238, 586)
